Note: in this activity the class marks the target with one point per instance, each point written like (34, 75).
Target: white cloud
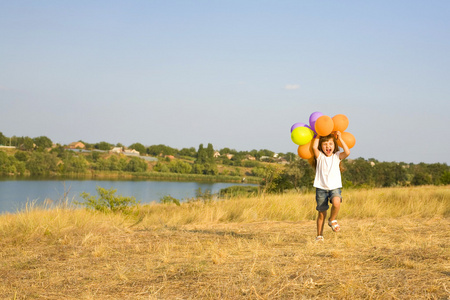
(291, 86)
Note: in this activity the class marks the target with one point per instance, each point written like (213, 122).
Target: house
(131, 152)
(282, 161)
(216, 154)
(76, 145)
(229, 156)
(249, 157)
(116, 150)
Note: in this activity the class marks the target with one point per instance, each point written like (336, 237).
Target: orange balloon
(348, 138)
(340, 122)
(324, 125)
(305, 151)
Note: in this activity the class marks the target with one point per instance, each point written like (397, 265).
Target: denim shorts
(325, 196)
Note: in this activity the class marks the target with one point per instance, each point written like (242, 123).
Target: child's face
(328, 147)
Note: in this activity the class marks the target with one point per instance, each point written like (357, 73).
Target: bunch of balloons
(322, 125)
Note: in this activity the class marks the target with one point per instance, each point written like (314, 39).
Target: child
(328, 181)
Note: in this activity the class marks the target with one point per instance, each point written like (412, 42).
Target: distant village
(81, 147)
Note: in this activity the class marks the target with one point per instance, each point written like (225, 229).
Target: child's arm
(346, 152)
(315, 146)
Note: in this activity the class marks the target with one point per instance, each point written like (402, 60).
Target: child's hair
(322, 139)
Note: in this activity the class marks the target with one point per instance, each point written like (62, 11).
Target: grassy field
(394, 244)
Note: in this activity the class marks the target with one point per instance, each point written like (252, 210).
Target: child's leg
(320, 222)
(336, 205)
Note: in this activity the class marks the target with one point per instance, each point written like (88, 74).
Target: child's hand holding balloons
(322, 125)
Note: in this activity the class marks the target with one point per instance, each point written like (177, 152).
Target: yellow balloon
(302, 135)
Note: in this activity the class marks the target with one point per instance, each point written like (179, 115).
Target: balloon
(313, 117)
(340, 122)
(348, 138)
(305, 151)
(324, 125)
(301, 135)
(298, 125)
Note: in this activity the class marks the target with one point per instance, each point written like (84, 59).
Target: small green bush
(169, 199)
(239, 191)
(107, 201)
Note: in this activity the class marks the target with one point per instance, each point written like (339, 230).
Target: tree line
(39, 156)
(363, 173)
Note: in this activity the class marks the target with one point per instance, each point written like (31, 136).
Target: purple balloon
(298, 125)
(313, 118)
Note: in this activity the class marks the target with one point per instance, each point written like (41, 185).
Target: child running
(328, 181)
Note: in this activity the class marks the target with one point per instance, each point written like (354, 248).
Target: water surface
(14, 194)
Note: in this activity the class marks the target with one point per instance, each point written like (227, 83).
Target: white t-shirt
(328, 174)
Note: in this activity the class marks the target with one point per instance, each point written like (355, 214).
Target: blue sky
(235, 74)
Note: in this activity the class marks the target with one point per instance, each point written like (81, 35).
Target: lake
(14, 194)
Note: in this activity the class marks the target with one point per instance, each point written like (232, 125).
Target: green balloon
(302, 135)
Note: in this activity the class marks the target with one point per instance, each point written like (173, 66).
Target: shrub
(169, 199)
(239, 191)
(206, 195)
(107, 201)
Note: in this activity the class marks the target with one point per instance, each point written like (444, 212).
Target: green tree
(281, 183)
(358, 171)
(75, 164)
(197, 168)
(117, 163)
(136, 164)
(94, 156)
(43, 142)
(299, 173)
(160, 167)
(436, 171)
(156, 150)
(21, 156)
(181, 167)
(210, 169)
(27, 144)
(138, 147)
(210, 153)
(445, 178)
(102, 164)
(205, 163)
(3, 139)
(264, 152)
(6, 164)
(271, 179)
(103, 146)
(421, 179)
(201, 155)
(42, 163)
(190, 152)
(59, 151)
(389, 174)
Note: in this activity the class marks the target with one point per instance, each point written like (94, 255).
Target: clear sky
(235, 73)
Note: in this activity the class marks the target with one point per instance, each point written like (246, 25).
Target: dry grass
(394, 244)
